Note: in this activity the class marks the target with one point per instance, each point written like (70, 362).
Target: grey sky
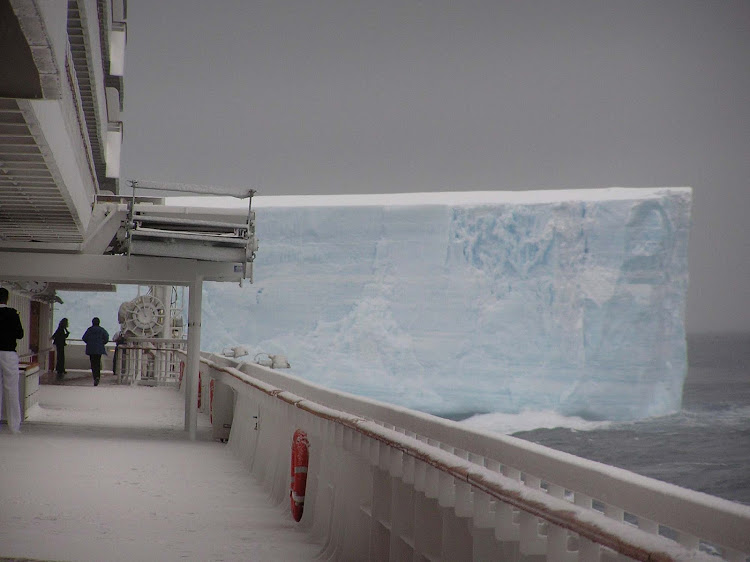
(379, 96)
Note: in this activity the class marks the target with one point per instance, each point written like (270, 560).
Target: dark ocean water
(705, 447)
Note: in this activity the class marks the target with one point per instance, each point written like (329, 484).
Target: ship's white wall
(55, 16)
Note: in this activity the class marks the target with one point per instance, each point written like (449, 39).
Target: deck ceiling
(32, 206)
(35, 205)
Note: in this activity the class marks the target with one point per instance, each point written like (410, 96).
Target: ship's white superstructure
(63, 222)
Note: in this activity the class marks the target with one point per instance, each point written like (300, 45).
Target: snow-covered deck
(108, 473)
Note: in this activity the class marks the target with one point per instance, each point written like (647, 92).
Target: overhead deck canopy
(141, 243)
(62, 218)
(88, 269)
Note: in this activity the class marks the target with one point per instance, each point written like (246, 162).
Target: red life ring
(300, 458)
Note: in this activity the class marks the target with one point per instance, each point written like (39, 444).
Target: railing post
(193, 357)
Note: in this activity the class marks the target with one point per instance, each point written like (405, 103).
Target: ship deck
(108, 473)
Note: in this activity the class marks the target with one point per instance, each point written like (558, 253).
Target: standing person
(10, 331)
(95, 337)
(119, 340)
(58, 338)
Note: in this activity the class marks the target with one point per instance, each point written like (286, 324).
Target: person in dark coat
(58, 338)
(96, 337)
(10, 331)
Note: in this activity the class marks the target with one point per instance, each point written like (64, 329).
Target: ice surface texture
(571, 301)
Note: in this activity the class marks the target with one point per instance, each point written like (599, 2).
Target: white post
(193, 357)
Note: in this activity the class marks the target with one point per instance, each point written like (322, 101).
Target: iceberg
(566, 301)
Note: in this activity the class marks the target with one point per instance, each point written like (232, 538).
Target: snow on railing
(379, 491)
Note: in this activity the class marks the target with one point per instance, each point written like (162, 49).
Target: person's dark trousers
(60, 365)
(96, 367)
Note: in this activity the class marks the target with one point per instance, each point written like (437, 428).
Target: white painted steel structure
(387, 483)
(149, 361)
(63, 223)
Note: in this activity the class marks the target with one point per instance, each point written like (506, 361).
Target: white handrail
(600, 528)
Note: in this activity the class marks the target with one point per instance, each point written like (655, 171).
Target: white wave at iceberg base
(528, 420)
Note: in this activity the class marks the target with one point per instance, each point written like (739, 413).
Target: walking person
(10, 331)
(58, 338)
(95, 337)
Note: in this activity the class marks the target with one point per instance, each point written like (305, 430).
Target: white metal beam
(105, 221)
(241, 192)
(193, 357)
(86, 268)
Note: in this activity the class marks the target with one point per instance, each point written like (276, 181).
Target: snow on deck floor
(108, 473)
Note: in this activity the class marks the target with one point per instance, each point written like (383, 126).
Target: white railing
(149, 361)
(387, 483)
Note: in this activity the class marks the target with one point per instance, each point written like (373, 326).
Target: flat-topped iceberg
(571, 301)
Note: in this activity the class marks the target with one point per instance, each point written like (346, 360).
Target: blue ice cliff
(571, 301)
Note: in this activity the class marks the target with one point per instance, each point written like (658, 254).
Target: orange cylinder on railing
(211, 401)
(300, 458)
